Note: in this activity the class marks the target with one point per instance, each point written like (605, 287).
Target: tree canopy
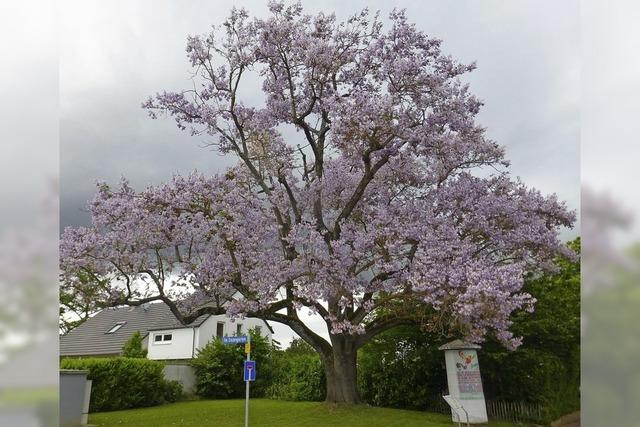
(388, 192)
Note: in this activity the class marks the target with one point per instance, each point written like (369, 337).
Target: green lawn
(263, 412)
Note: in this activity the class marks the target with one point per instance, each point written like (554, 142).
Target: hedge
(124, 383)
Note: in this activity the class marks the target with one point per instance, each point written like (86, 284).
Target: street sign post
(249, 368)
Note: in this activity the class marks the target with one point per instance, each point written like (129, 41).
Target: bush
(173, 391)
(300, 377)
(294, 374)
(218, 371)
(219, 368)
(387, 374)
(124, 383)
(534, 376)
(133, 347)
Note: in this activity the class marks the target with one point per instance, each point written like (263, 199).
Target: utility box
(75, 393)
(465, 383)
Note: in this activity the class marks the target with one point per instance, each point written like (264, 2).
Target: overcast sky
(114, 54)
(610, 111)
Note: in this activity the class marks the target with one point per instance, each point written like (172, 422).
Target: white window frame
(162, 340)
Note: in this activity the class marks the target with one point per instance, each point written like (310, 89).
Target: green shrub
(534, 376)
(299, 347)
(173, 391)
(295, 374)
(219, 368)
(123, 383)
(387, 374)
(133, 347)
(300, 377)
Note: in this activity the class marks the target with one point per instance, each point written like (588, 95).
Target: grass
(264, 412)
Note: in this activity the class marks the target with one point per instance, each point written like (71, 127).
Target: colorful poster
(468, 373)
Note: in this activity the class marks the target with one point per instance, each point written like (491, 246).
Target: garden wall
(184, 374)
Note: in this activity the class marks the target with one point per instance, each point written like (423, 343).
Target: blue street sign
(249, 370)
(234, 340)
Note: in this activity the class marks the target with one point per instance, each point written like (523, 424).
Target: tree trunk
(341, 371)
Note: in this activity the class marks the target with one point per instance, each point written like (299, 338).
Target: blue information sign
(249, 370)
(234, 340)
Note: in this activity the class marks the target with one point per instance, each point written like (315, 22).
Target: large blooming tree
(387, 202)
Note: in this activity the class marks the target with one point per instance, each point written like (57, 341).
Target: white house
(164, 337)
(183, 343)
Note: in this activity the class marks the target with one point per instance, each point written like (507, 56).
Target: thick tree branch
(369, 173)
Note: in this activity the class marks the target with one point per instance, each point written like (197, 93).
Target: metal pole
(246, 407)
(246, 402)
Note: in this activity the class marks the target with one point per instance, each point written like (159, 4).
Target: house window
(220, 330)
(239, 329)
(162, 338)
(115, 327)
